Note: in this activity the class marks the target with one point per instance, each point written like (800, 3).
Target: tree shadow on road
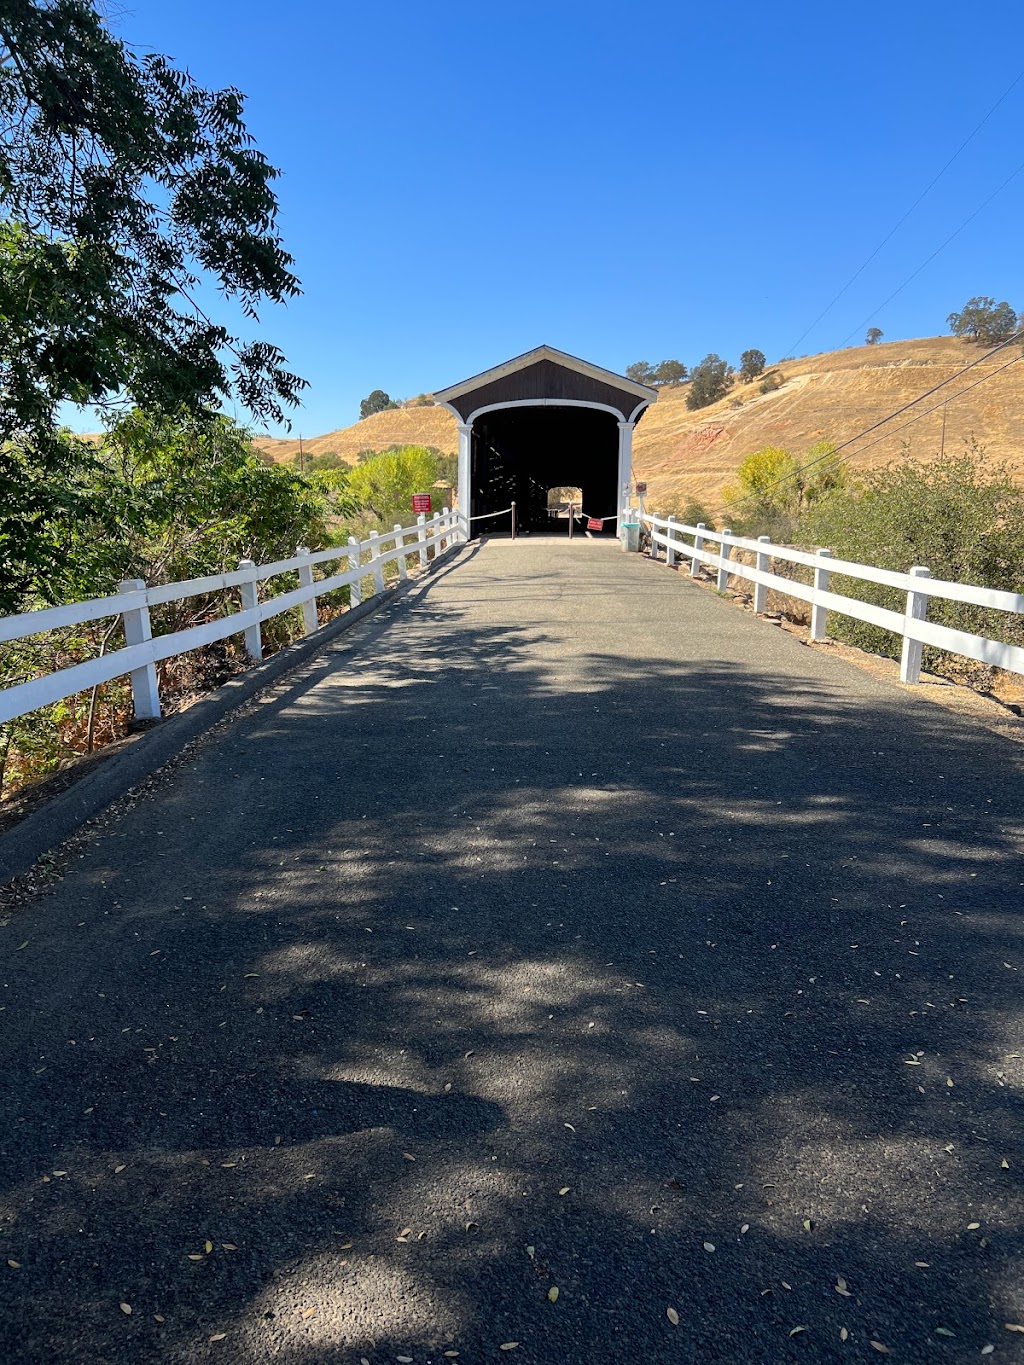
(475, 966)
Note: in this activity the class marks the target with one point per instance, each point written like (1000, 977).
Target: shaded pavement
(561, 926)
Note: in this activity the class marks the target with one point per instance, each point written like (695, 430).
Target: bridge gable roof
(546, 375)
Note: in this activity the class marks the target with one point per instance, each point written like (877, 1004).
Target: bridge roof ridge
(557, 357)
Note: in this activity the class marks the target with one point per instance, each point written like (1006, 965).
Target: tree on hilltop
(874, 336)
(641, 372)
(983, 320)
(668, 374)
(377, 401)
(752, 365)
(709, 381)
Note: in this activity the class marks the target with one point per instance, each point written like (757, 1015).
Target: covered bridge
(544, 420)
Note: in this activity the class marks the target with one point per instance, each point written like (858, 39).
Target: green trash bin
(629, 534)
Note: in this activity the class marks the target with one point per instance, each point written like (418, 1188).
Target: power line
(917, 417)
(882, 421)
(892, 232)
(942, 247)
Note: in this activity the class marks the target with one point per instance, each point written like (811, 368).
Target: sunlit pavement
(559, 928)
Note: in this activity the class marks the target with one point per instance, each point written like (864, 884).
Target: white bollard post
(698, 545)
(670, 554)
(917, 610)
(763, 564)
(247, 592)
(819, 615)
(400, 545)
(725, 554)
(375, 564)
(310, 621)
(421, 536)
(137, 630)
(355, 560)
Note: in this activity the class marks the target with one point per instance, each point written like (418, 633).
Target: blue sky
(461, 182)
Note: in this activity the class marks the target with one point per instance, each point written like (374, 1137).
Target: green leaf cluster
(961, 520)
(126, 187)
(709, 381)
(983, 320)
(383, 484)
(774, 487)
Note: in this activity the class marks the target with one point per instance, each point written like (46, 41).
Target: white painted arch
(625, 425)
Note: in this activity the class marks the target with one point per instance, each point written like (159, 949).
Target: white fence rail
(143, 650)
(689, 542)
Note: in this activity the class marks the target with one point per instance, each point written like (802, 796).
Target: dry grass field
(824, 397)
(398, 426)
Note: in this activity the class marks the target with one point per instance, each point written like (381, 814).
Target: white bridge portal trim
(625, 425)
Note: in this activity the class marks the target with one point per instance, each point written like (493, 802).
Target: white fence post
(670, 554)
(421, 536)
(247, 592)
(400, 545)
(137, 630)
(310, 622)
(763, 564)
(375, 564)
(355, 560)
(698, 545)
(445, 526)
(654, 543)
(917, 610)
(725, 554)
(819, 615)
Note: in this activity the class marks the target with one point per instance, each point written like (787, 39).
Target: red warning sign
(641, 489)
(595, 524)
(420, 502)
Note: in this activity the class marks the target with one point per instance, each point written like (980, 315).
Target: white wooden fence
(366, 559)
(911, 623)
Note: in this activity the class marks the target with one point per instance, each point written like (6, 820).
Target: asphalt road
(561, 927)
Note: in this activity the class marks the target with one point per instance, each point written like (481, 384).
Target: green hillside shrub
(963, 521)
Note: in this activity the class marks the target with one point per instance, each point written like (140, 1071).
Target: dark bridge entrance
(544, 420)
(518, 454)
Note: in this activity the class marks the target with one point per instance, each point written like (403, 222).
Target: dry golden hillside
(832, 397)
(398, 426)
(824, 397)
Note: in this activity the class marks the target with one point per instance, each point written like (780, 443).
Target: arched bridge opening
(519, 454)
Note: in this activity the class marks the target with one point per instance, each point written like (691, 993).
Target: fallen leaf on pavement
(672, 1316)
